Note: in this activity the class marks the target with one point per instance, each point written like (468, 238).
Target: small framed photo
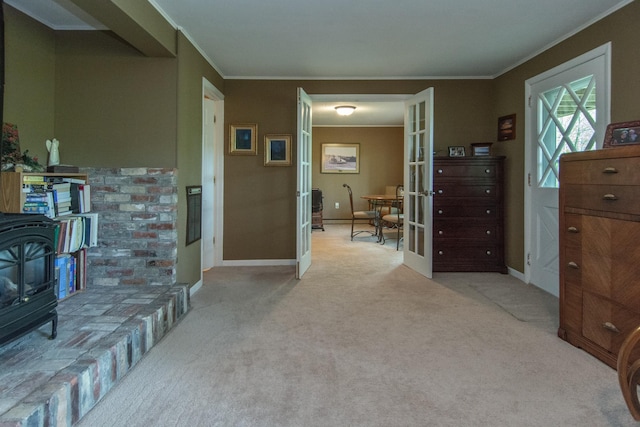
(456, 151)
(277, 150)
(242, 139)
(623, 133)
(507, 127)
(481, 148)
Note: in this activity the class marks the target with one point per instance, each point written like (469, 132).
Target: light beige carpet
(364, 341)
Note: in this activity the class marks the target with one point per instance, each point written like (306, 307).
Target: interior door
(418, 182)
(303, 193)
(208, 196)
(568, 113)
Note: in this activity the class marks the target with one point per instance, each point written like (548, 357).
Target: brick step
(103, 333)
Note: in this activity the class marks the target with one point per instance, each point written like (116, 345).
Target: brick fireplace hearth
(102, 333)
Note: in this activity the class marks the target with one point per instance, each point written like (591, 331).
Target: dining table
(376, 203)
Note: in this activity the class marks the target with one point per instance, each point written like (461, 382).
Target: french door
(418, 183)
(303, 193)
(568, 112)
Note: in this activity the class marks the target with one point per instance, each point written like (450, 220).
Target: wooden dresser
(468, 219)
(600, 249)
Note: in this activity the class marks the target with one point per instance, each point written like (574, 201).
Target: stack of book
(61, 197)
(37, 203)
(55, 196)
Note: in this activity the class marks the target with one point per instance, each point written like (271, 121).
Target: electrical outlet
(337, 205)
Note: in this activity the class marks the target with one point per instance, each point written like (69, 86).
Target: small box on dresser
(599, 251)
(468, 214)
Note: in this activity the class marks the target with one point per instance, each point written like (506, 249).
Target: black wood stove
(27, 275)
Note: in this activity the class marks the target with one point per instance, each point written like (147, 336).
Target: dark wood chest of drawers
(599, 250)
(468, 219)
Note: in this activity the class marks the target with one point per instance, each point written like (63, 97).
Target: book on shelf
(63, 269)
(74, 180)
(68, 273)
(30, 179)
(84, 198)
(77, 231)
(90, 228)
(81, 269)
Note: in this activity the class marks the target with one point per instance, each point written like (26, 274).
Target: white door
(568, 111)
(418, 182)
(303, 205)
(208, 196)
(212, 176)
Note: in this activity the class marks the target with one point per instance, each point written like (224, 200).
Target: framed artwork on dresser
(623, 133)
(456, 151)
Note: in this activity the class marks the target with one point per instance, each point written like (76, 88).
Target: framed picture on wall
(242, 139)
(507, 127)
(340, 158)
(277, 150)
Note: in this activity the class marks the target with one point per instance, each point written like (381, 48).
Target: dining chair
(356, 215)
(394, 221)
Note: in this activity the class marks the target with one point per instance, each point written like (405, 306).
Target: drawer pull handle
(439, 170)
(488, 211)
(573, 265)
(440, 253)
(440, 211)
(488, 191)
(572, 230)
(487, 171)
(609, 197)
(610, 327)
(440, 232)
(440, 191)
(610, 170)
(489, 253)
(488, 231)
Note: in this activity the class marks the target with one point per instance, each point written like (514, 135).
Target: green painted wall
(29, 81)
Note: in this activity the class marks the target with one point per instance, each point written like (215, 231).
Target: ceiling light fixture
(345, 110)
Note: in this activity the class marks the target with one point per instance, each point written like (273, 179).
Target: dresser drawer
(610, 259)
(464, 169)
(444, 229)
(615, 171)
(487, 191)
(607, 198)
(449, 253)
(607, 324)
(462, 211)
(572, 232)
(573, 265)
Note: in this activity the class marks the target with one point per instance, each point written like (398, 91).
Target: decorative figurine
(54, 154)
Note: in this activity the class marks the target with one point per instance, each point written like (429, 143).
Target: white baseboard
(516, 274)
(195, 288)
(258, 262)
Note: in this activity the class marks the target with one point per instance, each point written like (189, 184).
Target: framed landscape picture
(340, 158)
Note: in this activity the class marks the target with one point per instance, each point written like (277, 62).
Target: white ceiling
(358, 39)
